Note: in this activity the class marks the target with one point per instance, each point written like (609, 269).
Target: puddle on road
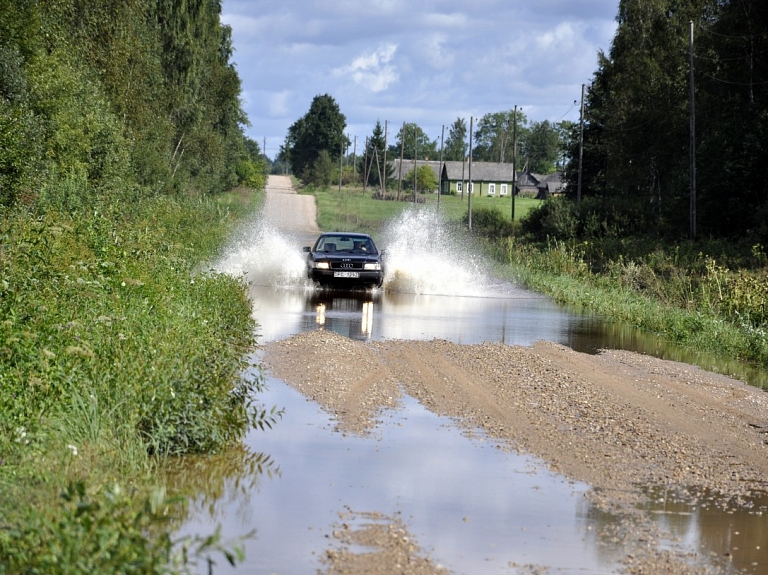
(473, 507)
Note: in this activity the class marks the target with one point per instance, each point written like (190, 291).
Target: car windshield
(345, 244)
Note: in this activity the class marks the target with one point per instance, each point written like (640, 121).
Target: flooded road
(472, 505)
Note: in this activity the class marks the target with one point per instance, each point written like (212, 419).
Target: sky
(426, 62)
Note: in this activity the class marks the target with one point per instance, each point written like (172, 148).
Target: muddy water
(474, 507)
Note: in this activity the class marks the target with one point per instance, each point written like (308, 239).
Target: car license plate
(346, 274)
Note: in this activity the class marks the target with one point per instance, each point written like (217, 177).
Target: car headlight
(321, 265)
(374, 266)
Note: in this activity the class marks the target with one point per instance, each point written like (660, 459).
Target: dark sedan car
(344, 259)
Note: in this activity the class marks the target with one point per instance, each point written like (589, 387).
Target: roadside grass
(686, 305)
(116, 351)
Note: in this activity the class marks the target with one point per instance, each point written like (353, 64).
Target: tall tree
(639, 106)
(415, 144)
(372, 162)
(541, 147)
(321, 128)
(494, 134)
(732, 119)
(456, 142)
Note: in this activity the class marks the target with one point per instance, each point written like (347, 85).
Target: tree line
(98, 96)
(316, 143)
(637, 173)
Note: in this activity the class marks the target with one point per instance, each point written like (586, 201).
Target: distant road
(290, 212)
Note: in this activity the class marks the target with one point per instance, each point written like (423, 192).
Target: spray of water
(424, 256)
(265, 256)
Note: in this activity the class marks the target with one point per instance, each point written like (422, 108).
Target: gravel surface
(616, 421)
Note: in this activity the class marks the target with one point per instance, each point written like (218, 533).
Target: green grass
(116, 351)
(352, 209)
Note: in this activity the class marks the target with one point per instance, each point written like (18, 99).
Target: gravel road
(617, 421)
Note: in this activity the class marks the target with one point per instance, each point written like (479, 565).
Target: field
(353, 209)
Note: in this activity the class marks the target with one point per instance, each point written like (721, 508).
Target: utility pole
(366, 167)
(383, 179)
(415, 161)
(400, 174)
(341, 159)
(581, 146)
(469, 189)
(354, 162)
(514, 160)
(440, 177)
(693, 140)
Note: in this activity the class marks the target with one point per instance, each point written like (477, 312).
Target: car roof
(350, 234)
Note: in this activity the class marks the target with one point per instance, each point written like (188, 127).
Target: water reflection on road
(507, 315)
(475, 507)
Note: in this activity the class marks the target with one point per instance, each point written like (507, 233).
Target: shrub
(490, 223)
(554, 218)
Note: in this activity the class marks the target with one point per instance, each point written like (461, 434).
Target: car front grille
(346, 265)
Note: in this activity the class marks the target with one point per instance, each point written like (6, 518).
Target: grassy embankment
(710, 297)
(117, 349)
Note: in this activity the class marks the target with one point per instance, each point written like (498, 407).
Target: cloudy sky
(422, 61)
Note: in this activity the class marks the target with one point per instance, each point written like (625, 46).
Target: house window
(471, 187)
(503, 190)
(459, 187)
(491, 189)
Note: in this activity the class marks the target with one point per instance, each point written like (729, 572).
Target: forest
(115, 97)
(680, 78)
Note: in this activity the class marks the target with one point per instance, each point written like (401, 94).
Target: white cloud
(372, 70)
(278, 103)
(426, 62)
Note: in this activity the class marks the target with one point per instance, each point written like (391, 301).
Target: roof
(457, 171)
(484, 172)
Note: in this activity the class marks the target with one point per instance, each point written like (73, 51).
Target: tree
(321, 128)
(456, 142)
(494, 134)
(540, 148)
(639, 106)
(372, 162)
(415, 144)
(426, 180)
(322, 171)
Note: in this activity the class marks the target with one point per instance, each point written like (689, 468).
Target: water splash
(424, 256)
(265, 256)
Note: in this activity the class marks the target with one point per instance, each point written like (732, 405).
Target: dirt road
(617, 421)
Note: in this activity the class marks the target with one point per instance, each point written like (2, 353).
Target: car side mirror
(306, 249)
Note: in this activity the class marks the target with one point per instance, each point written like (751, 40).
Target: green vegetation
(316, 141)
(121, 132)
(638, 116)
(683, 296)
(117, 348)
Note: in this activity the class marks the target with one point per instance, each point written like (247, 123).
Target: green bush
(490, 223)
(555, 218)
(107, 531)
